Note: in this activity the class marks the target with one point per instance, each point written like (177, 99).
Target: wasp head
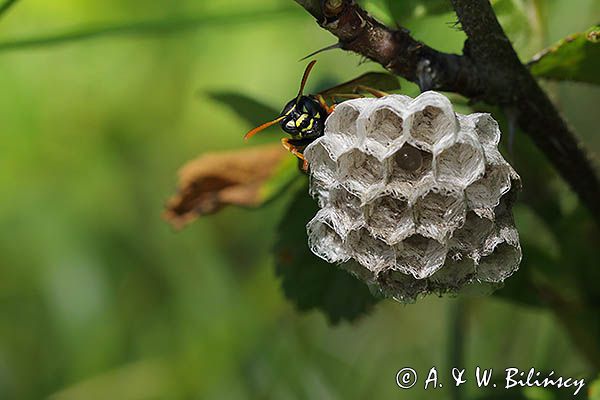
(303, 118)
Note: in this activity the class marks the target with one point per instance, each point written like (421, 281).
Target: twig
(396, 50)
(489, 70)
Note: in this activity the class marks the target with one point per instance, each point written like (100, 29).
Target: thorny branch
(489, 70)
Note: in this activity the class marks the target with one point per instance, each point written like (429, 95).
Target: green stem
(6, 5)
(156, 27)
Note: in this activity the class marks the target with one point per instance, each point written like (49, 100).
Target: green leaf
(247, 108)
(575, 58)
(308, 281)
(523, 22)
(408, 9)
(282, 178)
(378, 9)
(400, 12)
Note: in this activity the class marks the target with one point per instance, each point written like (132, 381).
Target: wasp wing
(376, 80)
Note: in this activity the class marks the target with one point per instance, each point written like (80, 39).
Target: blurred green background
(101, 299)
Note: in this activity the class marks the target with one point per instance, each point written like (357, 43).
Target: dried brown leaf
(214, 180)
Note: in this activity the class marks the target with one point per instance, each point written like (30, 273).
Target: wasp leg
(374, 92)
(292, 149)
(328, 108)
(333, 96)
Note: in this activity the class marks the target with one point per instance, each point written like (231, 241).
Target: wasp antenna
(331, 47)
(309, 67)
(262, 127)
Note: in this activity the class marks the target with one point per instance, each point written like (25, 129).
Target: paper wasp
(304, 116)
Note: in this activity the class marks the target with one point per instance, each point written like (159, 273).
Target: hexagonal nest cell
(420, 256)
(438, 215)
(485, 193)
(389, 219)
(499, 264)
(432, 125)
(470, 238)
(408, 168)
(462, 163)
(343, 122)
(325, 169)
(343, 128)
(360, 173)
(383, 127)
(487, 129)
(324, 241)
(414, 198)
(457, 272)
(347, 208)
(370, 252)
(320, 191)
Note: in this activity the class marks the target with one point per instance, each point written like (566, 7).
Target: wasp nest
(413, 198)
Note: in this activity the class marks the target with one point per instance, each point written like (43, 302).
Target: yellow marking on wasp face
(290, 111)
(317, 115)
(300, 119)
(310, 125)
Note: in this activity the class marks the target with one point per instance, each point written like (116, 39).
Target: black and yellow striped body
(303, 118)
